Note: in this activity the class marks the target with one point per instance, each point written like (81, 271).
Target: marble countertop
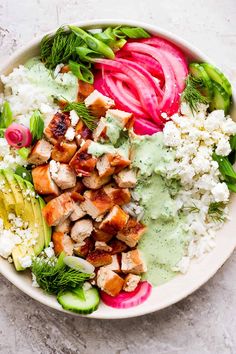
(203, 323)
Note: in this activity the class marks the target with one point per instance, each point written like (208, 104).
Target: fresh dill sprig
(83, 112)
(59, 48)
(53, 275)
(216, 211)
(192, 94)
(191, 209)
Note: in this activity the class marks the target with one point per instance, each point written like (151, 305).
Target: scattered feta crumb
(220, 192)
(74, 118)
(70, 134)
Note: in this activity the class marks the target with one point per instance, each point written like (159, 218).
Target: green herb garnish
(6, 116)
(79, 107)
(36, 125)
(24, 173)
(216, 211)
(54, 276)
(24, 152)
(191, 209)
(81, 71)
(191, 93)
(130, 32)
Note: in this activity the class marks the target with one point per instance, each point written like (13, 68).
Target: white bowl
(182, 285)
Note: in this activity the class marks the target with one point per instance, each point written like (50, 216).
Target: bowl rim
(14, 278)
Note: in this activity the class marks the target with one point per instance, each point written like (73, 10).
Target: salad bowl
(200, 271)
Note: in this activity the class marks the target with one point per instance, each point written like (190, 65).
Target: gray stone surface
(203, 323)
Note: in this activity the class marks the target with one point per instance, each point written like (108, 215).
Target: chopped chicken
(119, 162)
(131, 233)
(94, 181)
(100, 131)
(115, 264)
(79, 188)
(64, 151)
(131, 262)
(110, 282)
(125, 119)
(83, 249)
(43, 182)
(81, 230)
(57, 127)
(131, 282)
(117, 246)
(62, 243)
(104, 165)
(118, 196)
(98, 104)
(58, 209)
(126, 178)
(77, 214)
(100, 235)
(77, 197)
(84, 90)
(62, 174)
(83, 163)
(64, 226)
(40, 153)
(99, 258)
(96, 203)
(82, 133)
(102, 246)
(114, 221)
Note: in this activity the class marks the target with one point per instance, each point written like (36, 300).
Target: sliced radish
(145, 127)
(79, 264)
(18, 136)
(128, 299)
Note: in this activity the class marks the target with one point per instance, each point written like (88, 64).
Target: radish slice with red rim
(18, 136)
(128, 299)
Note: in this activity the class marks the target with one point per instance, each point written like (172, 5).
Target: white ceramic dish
(200, 270)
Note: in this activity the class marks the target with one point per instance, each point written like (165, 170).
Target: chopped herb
(36, 125)
(192, 209)
(192, 95)
(24, 173)
(225, 167)
(130, 32)
(24, 152)
(81, 71)
(54, 276)
(216, 211)
(6, 116)
(79, 107)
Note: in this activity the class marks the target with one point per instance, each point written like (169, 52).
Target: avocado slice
(4, 214)
(16, 191)
(47, 229)
(19, 252)
(6, 195)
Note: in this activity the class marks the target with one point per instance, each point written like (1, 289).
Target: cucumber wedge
(221, 99)
(217, 76)
(71, 301)
(199, 72)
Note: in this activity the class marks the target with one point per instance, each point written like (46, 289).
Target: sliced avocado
(16, 191)
(20, 252)
(47, 229)
(7, 195)
(4, 214)
(27, 201)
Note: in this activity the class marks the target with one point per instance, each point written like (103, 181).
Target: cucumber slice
(221, 99)
(199, 72)
(70, 301)
(217, 76)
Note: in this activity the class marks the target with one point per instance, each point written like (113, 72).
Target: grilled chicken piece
(57, 127)
(100, 235)
(131, 262)
(62, 243)
(81, 230)
(40, 153)
(62, 174)
(104, 165)
(100, 131)
(58, 209)
(85, 89)
(64, 151)
(99, 258)
(126, 178)
(77, 214)
(98, 104)
(79, 188)
(119, 163)
(115, 264)
(77, 197)
(96, 203)
(82, 133)
(125, 119)
(118, 196)
(102, 246)
(94, 181)
(83, 163)
(131, 233)
(110, 282)
(43, 182)
(83, 249)
(114, 221)
(131, 282)
(117, 246)
(64, 226)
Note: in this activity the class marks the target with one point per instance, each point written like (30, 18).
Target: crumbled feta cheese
(74, 118)
(223, 147)
(70, 134)
(54, 168)
(220, 192)
(34, 281)
(25, 262)
(171, 134)
(49, 251)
